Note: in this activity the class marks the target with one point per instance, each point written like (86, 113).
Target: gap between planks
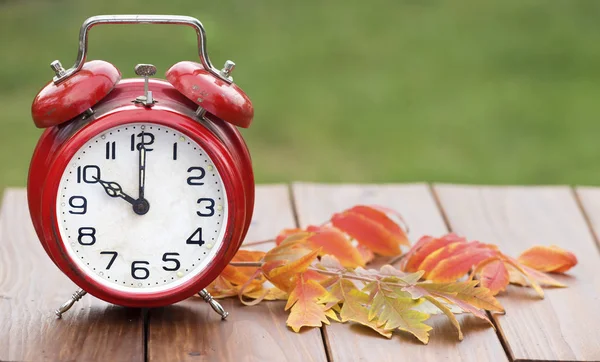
(297, 223)
(497, 327)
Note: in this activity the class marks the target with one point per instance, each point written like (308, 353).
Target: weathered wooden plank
(589, 197)
(316, 203)
(192, 331)
(31, 287)
(563, 326)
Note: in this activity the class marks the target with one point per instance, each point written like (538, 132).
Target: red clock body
(174, 118)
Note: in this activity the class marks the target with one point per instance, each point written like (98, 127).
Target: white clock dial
(129, 249)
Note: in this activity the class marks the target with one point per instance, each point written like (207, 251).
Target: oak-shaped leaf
(394, 309)
(305, 305)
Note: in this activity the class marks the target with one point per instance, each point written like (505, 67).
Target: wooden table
(563, 326)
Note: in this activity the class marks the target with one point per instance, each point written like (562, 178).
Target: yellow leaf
(467, 292)
(264, 294)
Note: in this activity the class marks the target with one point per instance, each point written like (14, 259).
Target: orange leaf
(423, 248)
(548, 259)
(239, 275)
(333, 242)
(455, 266)
(221, 288)
(285, 233)
(283, 274)
(494, 276)
(304, 302)
(292, 248)
(366, 253)
(371, 228)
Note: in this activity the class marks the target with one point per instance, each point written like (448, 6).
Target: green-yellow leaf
(393, 311)
(448, 312)
(354, 308)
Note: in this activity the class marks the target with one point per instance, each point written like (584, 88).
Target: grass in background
(354, 91)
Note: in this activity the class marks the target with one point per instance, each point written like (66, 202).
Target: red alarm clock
(141, 190)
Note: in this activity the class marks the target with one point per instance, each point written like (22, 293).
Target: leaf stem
(258, 264)
(258, 242)
(249, 264)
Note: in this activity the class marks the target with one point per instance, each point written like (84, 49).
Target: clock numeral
(146, 138)
(90, 174)
(210, 207)
(82, 205)
(136, 270)
(174, 151)
(87, 236)
(111, 150)
(167, 257)
(199, 241)
(195, 180)
(112, 260)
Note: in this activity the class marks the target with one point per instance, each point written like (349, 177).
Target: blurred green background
(495, 92)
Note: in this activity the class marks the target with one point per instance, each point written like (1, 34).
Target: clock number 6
(135, 269)
(166, 258)
(210, 207)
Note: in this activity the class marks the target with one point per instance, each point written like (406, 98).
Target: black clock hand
(142, 169)
(113, 189)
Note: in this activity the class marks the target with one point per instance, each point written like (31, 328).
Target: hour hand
(113, 189)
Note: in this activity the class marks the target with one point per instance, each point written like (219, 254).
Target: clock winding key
(146, 71)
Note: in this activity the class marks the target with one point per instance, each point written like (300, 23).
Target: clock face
(141, 208)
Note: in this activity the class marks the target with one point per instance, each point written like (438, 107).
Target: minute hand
(142, 168)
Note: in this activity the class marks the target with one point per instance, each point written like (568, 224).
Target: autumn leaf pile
(320, 271)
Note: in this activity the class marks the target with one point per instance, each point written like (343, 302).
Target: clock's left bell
(61, 101)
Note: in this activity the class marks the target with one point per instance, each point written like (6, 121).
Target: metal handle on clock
(62, 74)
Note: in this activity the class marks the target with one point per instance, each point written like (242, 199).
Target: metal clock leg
(216, 306)
(69, 303)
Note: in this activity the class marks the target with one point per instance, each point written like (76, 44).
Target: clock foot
(69, 303)
(216, 306)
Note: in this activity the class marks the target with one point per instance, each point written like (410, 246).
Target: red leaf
(494, 276)
(433, 259)
(455, 266)
(423, 248)
(371, 228)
